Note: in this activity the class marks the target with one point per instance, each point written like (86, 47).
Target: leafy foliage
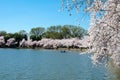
(66, 31)
(36, 33)
(3, 33)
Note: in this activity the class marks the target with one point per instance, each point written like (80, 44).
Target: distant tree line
(52, 32)
(17, 35)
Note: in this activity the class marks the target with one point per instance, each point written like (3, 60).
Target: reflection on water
(117, 73)
(28, 64)
(114, 70)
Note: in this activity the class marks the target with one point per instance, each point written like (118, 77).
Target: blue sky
(18, 15)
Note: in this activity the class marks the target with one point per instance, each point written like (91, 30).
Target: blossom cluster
(105, 32)
(2, 41)
(56, 43)
(47, 43)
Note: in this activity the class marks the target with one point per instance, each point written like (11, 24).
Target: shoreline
(61, 49)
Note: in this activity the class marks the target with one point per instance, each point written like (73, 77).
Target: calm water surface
(28, 64)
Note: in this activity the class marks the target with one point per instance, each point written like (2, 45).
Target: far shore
(75, 44)
(61, 49)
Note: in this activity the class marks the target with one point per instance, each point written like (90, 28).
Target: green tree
(37, 38)
(36, 33)
(77, 31)
(53, 32)
(3, 33)
(66, 33)
(54, 28)
(23, 34)
(8, 36)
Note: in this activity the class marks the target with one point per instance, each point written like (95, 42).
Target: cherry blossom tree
(104, 27)
(105, 33)
(2, 41)
(54, 43)
(11, 42)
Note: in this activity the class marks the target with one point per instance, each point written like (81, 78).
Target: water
(28, 64)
